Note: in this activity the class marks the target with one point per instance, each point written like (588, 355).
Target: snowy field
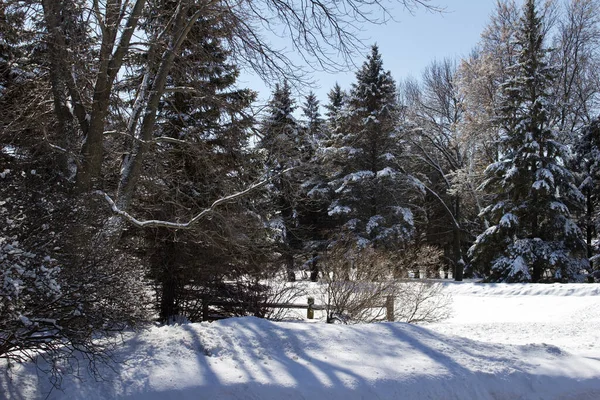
(502, 342)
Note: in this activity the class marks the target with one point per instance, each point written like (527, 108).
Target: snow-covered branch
(181, 89)
(163, 139)
(186, 225)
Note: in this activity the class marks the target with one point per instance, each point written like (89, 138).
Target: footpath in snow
(250, 358)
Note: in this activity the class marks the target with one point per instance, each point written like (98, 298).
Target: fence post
(310, 312)
(389, 308)
(204, 309)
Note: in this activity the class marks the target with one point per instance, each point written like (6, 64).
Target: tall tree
(312, 118)
(576, 91)
(200, 137)
(587, 163)
(532, 228)
(481, 75)
(284, 145)
(371, 189)
(337, 101)
(443, 154)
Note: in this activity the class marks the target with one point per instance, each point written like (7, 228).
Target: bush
(421, 302)
(358, 280)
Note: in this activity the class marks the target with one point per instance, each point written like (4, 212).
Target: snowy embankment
(249, 358)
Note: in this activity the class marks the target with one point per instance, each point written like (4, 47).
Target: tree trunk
(589, 223)
(56, 50)
(289, 267)
(459, 264)
(314, 269)
(169, 296)
(132, 165)
(170, 280)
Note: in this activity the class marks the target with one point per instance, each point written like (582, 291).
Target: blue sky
(409, 44)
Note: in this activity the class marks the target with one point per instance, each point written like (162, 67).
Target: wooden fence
(310, 307)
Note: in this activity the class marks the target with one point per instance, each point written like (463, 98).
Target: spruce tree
(587, 163)
(335, 109)
(532, 229)
(313, 121)
(371, 189)
(315, 193)
(284, 145)
(201, 137)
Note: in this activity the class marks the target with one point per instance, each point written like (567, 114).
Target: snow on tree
(284, 144)
(312, 119)
(337, 101)
(532, 232)
(371, 190)
(587, 160)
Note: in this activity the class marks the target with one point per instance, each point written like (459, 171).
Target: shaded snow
(504, 341)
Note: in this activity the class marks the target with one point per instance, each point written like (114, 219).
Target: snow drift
(250, 358)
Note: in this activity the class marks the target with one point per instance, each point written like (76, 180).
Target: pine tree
(370, 187)
(284, 145)
(312, 119)
(335, 107)
(532, 230)
(282, 140)
(587, 160)
(315, 193)
(200, 156)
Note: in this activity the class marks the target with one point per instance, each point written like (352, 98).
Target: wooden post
(204, 309)
(389, 308)
(310, 312)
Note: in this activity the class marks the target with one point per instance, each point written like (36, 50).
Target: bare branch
(194, 220)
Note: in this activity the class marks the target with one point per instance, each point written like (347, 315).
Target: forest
(138, 178)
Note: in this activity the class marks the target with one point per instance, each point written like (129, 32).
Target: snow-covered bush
(30, 294)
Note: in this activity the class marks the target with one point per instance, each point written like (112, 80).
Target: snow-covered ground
(564, 315)
(502, 342)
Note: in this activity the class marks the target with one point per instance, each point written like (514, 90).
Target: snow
(545, 174)
(387, 171)
(541, 185)
(503, 341)
(519, 266)
(508, 220)
(339, 210)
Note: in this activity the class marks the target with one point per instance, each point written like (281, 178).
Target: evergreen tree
(335, 107)
(587, 162)
(315, 193)
(200, 156)
(282, 139)
(532, 228)
(371, 189)
(312, 119)
(284, 145)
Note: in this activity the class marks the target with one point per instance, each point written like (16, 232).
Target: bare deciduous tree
(577, 58)
(445, 153)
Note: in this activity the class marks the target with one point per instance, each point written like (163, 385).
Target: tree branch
(186, 225)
